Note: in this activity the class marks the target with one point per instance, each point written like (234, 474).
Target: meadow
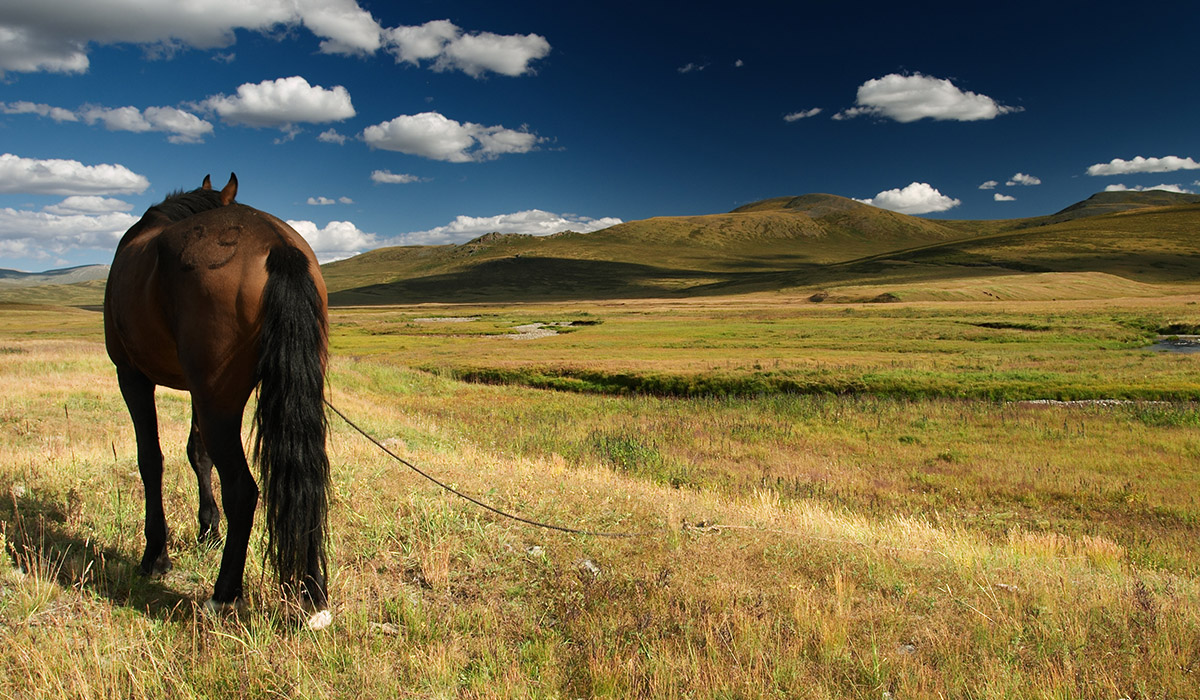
(853, 500)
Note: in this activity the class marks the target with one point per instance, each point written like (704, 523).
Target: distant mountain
(816, 242)
(68, 275)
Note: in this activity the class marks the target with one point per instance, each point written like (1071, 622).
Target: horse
(215, 298)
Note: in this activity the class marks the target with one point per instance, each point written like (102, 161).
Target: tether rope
(481, 504)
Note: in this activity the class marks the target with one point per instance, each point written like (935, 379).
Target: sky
(367, 123)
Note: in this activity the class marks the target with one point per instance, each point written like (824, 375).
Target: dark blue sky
(536, 117)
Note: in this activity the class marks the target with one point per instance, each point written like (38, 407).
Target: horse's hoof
(217, 609)
(156, 568)
(320, 620)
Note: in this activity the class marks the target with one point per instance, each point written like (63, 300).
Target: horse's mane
(180, 205)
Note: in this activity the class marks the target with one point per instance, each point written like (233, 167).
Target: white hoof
(320, 620)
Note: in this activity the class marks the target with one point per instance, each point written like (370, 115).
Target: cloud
(387, 177)
(337, 240)
(88, 204)
(325, 201)
(1023, 179)
(916, 198)
(802, 114)
(282, 103)
(55, 35)
(1166, 188)
(58, 114)
(182, 127)
(1166, 164)
(692, 67)
(66, 177)
(41, 235)
(908, 98)
(739, 63)
(1003, 198)
(989, 185)
(331, 136)
(431, 135)
(448, 47)
(532, 221)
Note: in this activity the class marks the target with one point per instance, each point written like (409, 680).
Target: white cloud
(331, 136)
(54, 35)
(802, 114)
(916, 198)
(387, 177)
(477, 53)
(337, 240)
(282, 103)
(1003, 198)
(41, 235)
(692, 67)
(431, 135)
(66, 177)
(321, 201)
(907, 98)
(989, 185)
(532, 221)
(739, 63)
(88, 204)
(58, 114)
(1166, 188)
(1023, 179)
(1166, 164)
(182, 127)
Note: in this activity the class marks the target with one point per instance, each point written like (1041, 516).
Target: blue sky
(381, 123)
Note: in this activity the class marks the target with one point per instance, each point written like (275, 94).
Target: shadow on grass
(41, 542)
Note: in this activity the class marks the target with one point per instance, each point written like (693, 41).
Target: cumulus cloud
(88, 204)
(181, 126)
(58, 114)
(802, 114)
(431, 135)
(692, 68)
(533, 221)
(282, 103)
(387, 177)
(41, 235)
(989, 185)
(448, 47)
(916, 198)
(1023, 179)
(336, 240)
(331, 136)
(1003, 198)
(66, 177)
(55, 35)
(1165, 188)
(908, 98)
(1166, 164)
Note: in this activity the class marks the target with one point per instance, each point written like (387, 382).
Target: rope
(481, 504)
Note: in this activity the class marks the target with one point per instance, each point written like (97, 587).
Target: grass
(806, 544)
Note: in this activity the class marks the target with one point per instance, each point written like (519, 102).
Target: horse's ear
(230, 190)
(207, 184)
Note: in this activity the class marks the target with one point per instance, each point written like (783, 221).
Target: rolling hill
(838, 249)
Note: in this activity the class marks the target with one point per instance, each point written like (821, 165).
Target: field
(837, 500)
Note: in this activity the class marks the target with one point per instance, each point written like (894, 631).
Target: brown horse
(215, 298)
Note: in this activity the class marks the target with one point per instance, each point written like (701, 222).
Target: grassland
(851, 500)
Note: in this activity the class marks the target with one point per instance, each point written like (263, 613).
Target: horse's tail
(290, 423)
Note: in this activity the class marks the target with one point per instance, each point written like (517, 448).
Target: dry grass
(909, 566)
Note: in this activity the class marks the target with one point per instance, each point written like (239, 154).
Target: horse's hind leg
(138, 392)
(202, 464)
(239, 496)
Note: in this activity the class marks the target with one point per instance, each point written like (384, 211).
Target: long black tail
(290, 423)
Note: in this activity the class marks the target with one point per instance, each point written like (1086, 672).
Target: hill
(820, 244)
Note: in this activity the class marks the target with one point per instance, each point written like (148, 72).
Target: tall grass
(809, 546)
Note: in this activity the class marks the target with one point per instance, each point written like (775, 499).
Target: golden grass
(879, 578)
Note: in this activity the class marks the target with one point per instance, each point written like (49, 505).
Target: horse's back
(185, 302)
